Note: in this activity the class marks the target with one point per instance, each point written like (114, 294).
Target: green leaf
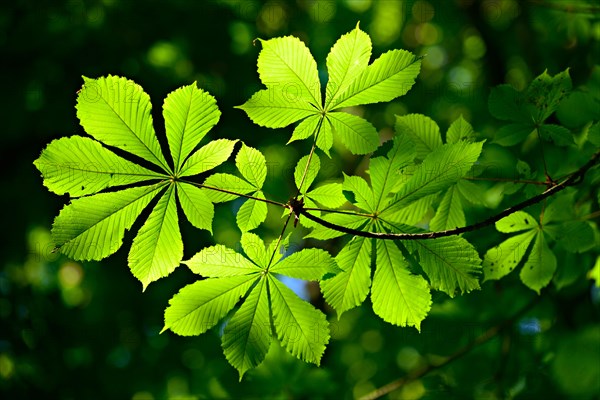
(306, 129)
(560, 135)
(443, 167)
(220, 261)
(451, 263)
(546, 92)
(157, 249)
(515, 222)
(512, 134)
(398, 296)
(254, 247)
(471, 192)
(388, 77)
(201, 305)
(311, 172)
(277, 108)
(226, 182)
(116, 111)
(573, 236)
(504, 258)
(91, 228)
(252, 165)
(252, 213)
(301, 329)
(506, 103)
(422, 130)
(449, 214)
(460, 130)
(197, 207)
(594, 134)
(247, 335)
(80, 166)
(411, 214)
(357, 134)
(308, 264)
(328, 195)
(189, 114)
(363, 195)
(540, 266)
(385, 172)
(286, 64)
(325, 136)
(208, 157)
(594, 273)
(350, 288)
(348, 57)
(345, 220)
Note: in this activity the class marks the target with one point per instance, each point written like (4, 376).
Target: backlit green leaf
(80, 166)
(422, 130)
(398, 296)
(285, 64)
(350, 288)
(208, 157)
(189, 114)
(157, 249)
(252, 165)
(388, 77)
(197, 207)
(247, 336)
(201, 305)
(348, 57)
(309, 264)
(116, 111)
(539, 268)
(252, 213)
(504, 258)
(91, 228)
(301, 329)
(357, 134)
(220, 261)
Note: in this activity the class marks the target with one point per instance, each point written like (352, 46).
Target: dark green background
(72, 330)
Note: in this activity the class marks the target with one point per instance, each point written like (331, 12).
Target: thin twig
(481, 339)
(312, 151)
(200, 185)
(347, 212)
(287, 221)
(575, 178)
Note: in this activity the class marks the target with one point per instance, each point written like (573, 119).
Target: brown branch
(575, 178)
(481, 339)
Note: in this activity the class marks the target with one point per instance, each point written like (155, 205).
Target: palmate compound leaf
(290, 74)
(528, 110)
(116, 112)
(268, 305)
(540, 265)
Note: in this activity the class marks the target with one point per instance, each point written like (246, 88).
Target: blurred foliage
(73, 331)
